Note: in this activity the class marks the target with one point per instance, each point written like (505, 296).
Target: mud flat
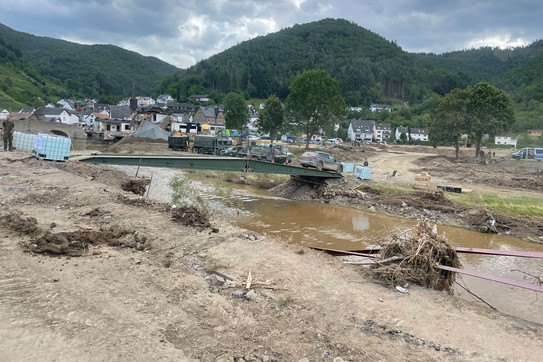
(123, 279)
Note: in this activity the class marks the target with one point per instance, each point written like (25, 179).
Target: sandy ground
(146, 287)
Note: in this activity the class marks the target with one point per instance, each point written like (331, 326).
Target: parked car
(321, 161)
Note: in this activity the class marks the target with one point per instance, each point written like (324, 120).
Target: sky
(183, 32)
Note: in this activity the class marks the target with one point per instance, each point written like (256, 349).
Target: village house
(211, 119)
(112, 128)
(355, 109)
(418, 134)
(505, 140)
(27, 110)
(164, 99)
(382, 132)
(145, 101)
(120, 112)
(361, 131)
(67, 104)
(19, 116)
(87, 117)
(61, 115)
(380, 107)
(3, 113)
(535, 132)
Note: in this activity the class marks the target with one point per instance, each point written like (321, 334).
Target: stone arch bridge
(75, 133)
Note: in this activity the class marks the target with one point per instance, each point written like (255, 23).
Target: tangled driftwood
(411, 257)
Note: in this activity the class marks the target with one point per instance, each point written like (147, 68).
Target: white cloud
(184, 32)
(500, 41)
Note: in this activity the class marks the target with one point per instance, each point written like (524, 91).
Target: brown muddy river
(334, 227)
(328, 226)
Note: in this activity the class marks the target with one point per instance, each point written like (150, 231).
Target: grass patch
(505, 205)
(285, 302)
(394, 189)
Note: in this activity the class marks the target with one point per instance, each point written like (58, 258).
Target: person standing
(8, 127)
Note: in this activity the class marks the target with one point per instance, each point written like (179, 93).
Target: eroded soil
(134, 281)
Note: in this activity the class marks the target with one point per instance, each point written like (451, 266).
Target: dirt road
(145, 287)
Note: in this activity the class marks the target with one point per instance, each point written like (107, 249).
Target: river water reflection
(334, 227)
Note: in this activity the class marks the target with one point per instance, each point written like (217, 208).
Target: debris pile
(136, 185)
(77, 243)
(411, 257)
(190, 216)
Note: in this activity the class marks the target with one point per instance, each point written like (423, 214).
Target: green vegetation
(88, 70)
(314, 103)
(272, 117)
(517, 206)
(236, 113)
(478, 110)
(370, 68)
(20, 84)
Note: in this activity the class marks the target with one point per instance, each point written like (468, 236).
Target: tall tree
(491, 111)
(451, 119)
(271, 118)
(236, 112)
(314, 103)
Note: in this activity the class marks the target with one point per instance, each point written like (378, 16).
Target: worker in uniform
(8, 127)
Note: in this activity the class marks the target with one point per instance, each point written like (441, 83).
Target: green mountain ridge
(371, 69)
(89, 70)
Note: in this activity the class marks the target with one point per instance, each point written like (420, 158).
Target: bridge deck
(204, 163)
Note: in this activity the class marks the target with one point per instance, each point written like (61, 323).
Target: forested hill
(368, 66)
(89, 70)
(20, 84)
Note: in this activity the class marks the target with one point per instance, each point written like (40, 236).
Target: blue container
(347, 167)
(24, 142)
(54, 148)
(362, 172)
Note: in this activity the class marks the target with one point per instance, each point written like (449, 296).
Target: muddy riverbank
(148, 287)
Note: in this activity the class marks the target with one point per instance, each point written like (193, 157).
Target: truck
(271, 153)
(178, 143)
(210, 144)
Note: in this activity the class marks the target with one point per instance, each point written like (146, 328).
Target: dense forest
(370, 68)
(20, 83)
(88, 70)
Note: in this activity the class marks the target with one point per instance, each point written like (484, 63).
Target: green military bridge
(205, 163)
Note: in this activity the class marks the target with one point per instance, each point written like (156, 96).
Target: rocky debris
(190, 216)
(17, 223)
(137, 186)
(77, 243)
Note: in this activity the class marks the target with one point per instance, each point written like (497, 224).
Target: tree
(107, 99)
(451, 120)
(271, 118)
(491, 111)
(236, 112)
(403, 138)
(314, 103)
